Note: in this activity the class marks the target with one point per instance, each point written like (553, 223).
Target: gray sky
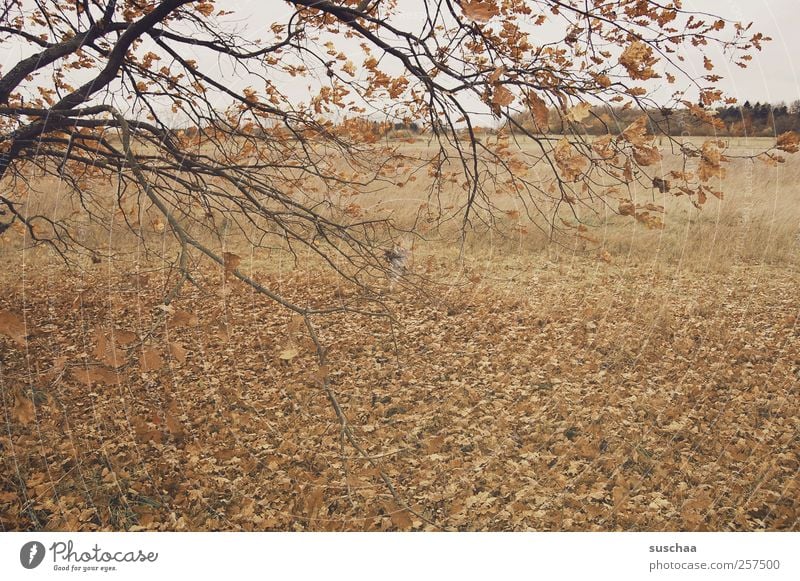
(774, 74)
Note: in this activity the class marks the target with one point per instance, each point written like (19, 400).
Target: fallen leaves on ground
(602, 397)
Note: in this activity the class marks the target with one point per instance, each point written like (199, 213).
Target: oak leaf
(579, 112)
(538, 110)
(788, 142)
(13, 326)
(480, 11)
(178, 352)
(151, 360)
(570, 162)
(24, 411)
(95, 374)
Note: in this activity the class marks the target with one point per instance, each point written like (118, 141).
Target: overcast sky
(774, 74)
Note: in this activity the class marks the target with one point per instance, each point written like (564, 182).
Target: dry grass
(525, 385)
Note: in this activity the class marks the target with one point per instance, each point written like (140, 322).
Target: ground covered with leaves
(551, 396)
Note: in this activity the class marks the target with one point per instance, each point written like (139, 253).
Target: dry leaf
(231, 262)
(95, 374)
(24, 411)
(123, 337)
(178, 352)
(151, 360)
(579, 112)
(183, 319)
(479, 11)
(538, 111)
(289, 353)
(12, 325)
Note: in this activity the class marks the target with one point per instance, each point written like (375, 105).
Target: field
(648, 380)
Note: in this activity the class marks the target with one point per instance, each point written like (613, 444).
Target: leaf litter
(626, 400)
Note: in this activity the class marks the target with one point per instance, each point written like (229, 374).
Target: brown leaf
(183, 319)
(178, 352)
(788, 142)
(95, 374)
(12, 325)
(123, 337)
(579, 112)
(24, 411)
(151, 360)
(231, 261)
(479, 11)
(538, 111)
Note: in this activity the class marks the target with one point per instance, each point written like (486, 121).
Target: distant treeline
(747, 120)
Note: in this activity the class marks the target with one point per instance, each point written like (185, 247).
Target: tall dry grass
(757, 221)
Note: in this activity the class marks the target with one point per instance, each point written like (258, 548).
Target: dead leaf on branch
(538, 110)
(788, 142)
(480, 11)
(231, 262)
(579, 112)
(569, 160)
(638, 60)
